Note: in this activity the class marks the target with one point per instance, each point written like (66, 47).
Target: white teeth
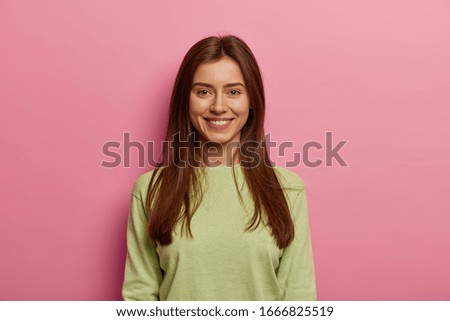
(219, 123)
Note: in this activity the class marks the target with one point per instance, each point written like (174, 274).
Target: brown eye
(202, 92)
(234, 92)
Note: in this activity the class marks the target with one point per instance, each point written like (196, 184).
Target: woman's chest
(220, 237)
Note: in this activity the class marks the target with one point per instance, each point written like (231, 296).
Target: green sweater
(221, 262)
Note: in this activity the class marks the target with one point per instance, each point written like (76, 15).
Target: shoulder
(289, 179)
(141, 184)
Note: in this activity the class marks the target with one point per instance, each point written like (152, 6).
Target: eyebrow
(204, 84)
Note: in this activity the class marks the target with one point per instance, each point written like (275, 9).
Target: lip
(215, 126)
(218, 118)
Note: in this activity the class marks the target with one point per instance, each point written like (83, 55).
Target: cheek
(193, 109)
(240, 106)
(242, 110)
(244, 120)
(244, 114)
(196, 106)
(193, 119)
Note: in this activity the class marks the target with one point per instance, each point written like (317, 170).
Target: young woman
(216, 220)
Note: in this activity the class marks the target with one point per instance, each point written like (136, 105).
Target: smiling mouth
(219, 123)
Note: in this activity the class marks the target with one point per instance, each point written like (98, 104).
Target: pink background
(77, 74)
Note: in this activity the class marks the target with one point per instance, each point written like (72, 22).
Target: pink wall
(77, 74)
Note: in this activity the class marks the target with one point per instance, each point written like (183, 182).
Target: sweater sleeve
(142, 270)
(296, 268)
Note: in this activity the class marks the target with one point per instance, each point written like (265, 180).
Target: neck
(215, 154)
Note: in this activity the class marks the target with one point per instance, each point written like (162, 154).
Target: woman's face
(219, 102)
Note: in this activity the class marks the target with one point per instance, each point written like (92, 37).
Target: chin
(218, 141)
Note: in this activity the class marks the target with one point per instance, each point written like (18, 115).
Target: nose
(218, 105)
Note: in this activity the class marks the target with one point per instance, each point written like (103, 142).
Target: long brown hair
(175, 191)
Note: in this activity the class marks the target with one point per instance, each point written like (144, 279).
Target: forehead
(225, 70)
